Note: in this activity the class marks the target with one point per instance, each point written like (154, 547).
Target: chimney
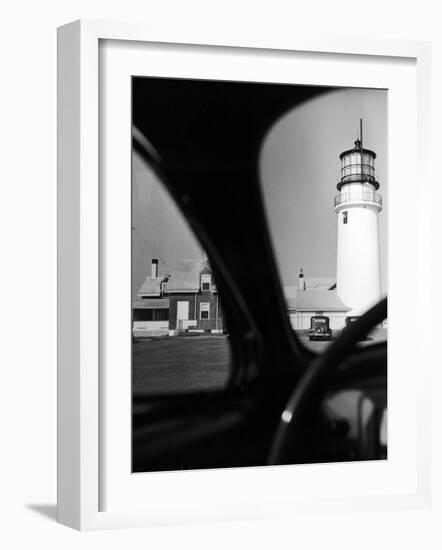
(301, 282)
(154, 269)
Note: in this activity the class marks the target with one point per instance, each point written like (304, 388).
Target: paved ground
(188, 363)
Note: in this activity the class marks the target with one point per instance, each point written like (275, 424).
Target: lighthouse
(358, 277)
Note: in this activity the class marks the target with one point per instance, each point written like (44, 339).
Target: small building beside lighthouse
(314, 296)
(358, 273)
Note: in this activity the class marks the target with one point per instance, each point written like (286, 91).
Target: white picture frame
(80, 437)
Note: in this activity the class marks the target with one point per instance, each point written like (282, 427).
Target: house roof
(320, 283)
(151, 287)
(186, 276)
(311, 283)
(151, 303)
(319, 300)
(290, 303)
(316, 300)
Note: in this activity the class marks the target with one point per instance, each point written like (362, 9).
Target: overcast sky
(299, 169)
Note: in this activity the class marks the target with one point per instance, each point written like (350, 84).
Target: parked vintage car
(283, 402)
(353, 319)
(320, 328)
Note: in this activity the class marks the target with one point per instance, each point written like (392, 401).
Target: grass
(180, 364)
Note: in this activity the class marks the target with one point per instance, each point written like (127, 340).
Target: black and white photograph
(259, 274)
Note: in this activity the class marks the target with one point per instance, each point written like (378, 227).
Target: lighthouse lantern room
(358, 278)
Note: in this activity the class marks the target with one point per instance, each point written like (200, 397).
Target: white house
(314, 296)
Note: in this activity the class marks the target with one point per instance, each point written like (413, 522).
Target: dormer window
(206, 281)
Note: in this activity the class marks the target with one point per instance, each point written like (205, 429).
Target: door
(182, 314)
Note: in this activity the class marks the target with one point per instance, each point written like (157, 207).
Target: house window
(204, 310)
(161, 314)
(151, 314)
(344, 217)
(143, 315)
(206, 281)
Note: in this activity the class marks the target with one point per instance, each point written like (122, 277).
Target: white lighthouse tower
(358, 278)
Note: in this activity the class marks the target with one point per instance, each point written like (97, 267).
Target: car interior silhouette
(283, 403)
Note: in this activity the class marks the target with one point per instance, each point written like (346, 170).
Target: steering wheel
(322, 367)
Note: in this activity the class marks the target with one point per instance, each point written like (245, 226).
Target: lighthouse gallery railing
(358, 196)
